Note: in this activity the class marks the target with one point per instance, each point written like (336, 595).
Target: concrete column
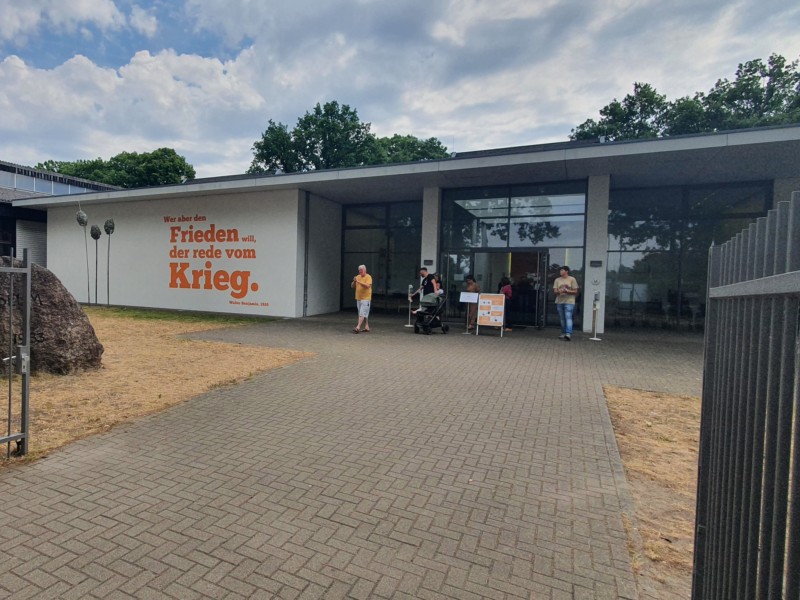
(431, 214)
(596, 250)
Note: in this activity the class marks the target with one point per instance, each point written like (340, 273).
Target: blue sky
(92, 78)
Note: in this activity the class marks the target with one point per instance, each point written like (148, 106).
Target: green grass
(153, 314)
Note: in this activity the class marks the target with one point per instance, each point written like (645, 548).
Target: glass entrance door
(527, 271)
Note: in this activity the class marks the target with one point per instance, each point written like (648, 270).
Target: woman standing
(505, 289)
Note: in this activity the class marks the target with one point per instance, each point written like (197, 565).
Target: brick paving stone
(388, 465)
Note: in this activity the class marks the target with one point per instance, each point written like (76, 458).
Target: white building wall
(431, 202)
(596, 250)
(324, 256)
(228, 254)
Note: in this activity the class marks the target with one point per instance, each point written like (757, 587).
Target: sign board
(468, 297)
(490, 310)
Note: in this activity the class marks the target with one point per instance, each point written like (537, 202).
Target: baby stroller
(429, 315)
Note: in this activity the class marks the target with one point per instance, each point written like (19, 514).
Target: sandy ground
(146, 367)
(658, 437)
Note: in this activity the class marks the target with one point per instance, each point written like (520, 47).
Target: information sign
(490, 310)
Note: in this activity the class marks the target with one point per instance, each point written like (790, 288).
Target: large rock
(62, 339)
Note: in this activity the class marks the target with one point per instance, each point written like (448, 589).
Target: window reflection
(536, 231)
(386, 238)
(526, 216)
(658, 249)
(548, 205)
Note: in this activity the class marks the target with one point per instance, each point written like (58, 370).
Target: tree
(637, 116)
(275, 151)
(128, 169)
(332, 136)
(760, 95)
(407, 148)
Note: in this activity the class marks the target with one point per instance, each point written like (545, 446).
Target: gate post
(19, 354)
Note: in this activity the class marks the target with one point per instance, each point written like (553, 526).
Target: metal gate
(15, 309)
(747, 536)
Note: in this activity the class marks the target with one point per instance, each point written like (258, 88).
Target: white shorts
(363, 308)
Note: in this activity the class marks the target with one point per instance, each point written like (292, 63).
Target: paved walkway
(390, 465)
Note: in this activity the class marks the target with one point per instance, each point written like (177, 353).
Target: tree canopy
(128, 169)
(332, 136)
(760, 95)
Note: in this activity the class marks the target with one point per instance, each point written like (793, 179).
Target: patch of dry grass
(146, 368)
(658, 437)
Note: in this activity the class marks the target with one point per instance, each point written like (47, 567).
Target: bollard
(595, 310)
(410, 289)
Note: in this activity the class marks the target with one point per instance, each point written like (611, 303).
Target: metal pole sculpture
(109, 227)
(83, 220)
(95, 236)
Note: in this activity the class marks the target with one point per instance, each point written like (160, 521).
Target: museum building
(632, 219)
(24, 227)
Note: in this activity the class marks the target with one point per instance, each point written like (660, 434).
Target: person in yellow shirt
(362, 284)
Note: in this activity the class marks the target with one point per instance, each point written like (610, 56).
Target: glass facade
(44, 184)
(524, 232)
(658, 241)
(386, 238)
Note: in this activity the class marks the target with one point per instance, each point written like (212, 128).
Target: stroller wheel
(445, 328)
(416, 328)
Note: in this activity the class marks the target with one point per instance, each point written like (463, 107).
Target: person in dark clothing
(506, 290)
(427, 285)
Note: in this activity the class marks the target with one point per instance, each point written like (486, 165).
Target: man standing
(565, 288)
(362, 284)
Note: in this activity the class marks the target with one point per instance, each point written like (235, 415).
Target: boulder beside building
(63, 340)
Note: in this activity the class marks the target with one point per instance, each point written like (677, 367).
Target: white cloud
(143, 21)
(182, 101)
(462, 16)
(23, 19)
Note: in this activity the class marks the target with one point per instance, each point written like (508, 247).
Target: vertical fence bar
(771, 423)
(751, 369)
(24, 443)
(739, 437)
(18, 354)
(728, 516)
(783, 401)
(10, 352)
(718, 446)
(760, 416)
(793, 534)
(710, 351)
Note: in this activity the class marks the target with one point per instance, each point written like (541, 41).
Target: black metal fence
(16, 347)
(747, 535)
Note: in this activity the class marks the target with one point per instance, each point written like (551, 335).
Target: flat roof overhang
(746, 155)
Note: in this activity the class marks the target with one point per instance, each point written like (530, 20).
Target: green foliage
(128, 169)
(332, 136)
(407, 148)
(760, 95)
